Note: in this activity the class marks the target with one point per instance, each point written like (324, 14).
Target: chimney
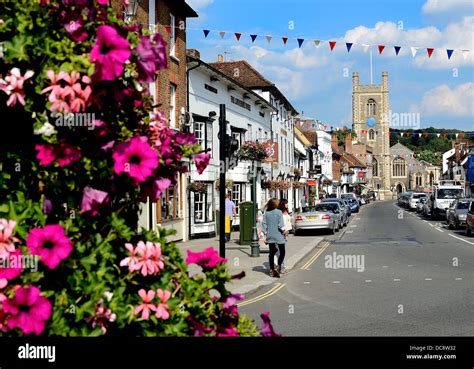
(348, 142)
(193, 53)
(334, 142)
(458, 152)
(220, 58)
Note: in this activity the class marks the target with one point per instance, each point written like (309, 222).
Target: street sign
(316, 170)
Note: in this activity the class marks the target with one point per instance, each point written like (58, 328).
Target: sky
(318, 83)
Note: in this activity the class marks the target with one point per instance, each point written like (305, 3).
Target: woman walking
(273, 227)
(283, 206)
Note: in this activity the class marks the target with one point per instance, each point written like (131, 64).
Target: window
(418, 180)
(210, 88)
(375, 167)
(239, 136)
(240, 103)
(371, 135)
(399, 167)
(238, 195)
(172, 34)
(371, 107)
(168, 204)
(262, 114)
(259, 134)
(173, 106)
(249, 132)
(203, 133)
(266, 135)
(203, 206)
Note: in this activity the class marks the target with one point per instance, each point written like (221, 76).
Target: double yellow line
(275, 289)
(315, 256)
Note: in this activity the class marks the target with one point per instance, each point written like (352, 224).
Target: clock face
(371, 122)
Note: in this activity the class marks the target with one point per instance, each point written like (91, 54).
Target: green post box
(247, 222)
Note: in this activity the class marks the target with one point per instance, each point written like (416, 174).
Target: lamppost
(130, 10)
(254, 246)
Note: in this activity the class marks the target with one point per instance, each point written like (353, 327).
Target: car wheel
(340, 225)
(456, 224)
(333, 230)
(297, 232)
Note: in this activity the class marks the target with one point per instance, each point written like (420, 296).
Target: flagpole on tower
(371, 80)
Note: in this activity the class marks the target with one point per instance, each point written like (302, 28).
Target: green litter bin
(247, 222)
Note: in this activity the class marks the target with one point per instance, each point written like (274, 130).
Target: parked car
(413, 198)
(345, 209)
(427, 208)
(470, 218)
(350, 195)
(401, 201)
(348, 206)
(320, 216)
(354, 205)
(419, 204)
(457, 213)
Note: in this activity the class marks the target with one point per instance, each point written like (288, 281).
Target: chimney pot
(220, 58)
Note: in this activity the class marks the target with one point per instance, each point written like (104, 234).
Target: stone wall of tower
(385, 129)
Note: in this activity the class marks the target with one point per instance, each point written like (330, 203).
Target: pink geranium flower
(28, 310)
(145, 308)
(209, 258)
(202, 161)
(131, 260)
(109, 53)
(162, 309)
(136, 158)
(146, 258)
(50, 243)
(267, 329)
(92, 200)
(12, 85)
(6, 239)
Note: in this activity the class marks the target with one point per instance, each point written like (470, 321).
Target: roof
(300, 136)
(312, 137)
(352, 161)
(251, 78)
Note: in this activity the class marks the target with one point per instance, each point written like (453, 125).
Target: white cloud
(443, 6)
(442, 100)
(199, 4)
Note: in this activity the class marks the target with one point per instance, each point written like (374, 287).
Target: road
(416, 278)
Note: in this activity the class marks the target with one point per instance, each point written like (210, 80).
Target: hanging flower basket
(297, 172)
(252, 151)
(297, 184)
(277, 185)
(197, 187)
(228, 184)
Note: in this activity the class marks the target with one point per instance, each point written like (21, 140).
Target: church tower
(370, 121)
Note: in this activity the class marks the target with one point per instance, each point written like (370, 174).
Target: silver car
(420, 203)
(345, 208)
(457, 213)
(320, 216)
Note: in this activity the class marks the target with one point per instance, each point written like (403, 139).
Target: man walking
(229, 212)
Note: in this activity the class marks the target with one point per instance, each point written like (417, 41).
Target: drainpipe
(187, 109)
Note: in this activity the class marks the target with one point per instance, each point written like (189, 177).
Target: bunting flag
(419, 134)
(366, 47)
(438, 134)
(457, 134)
(168, 30)
(237, 36)
(450, 53)
(414, 50)
(284, 39)
(253, 37)
(269, 38)
(429, 50)
(381, 47)
(206, 32)
(317, 42)
(427, 135)
(332, 44)
(222, 34)
(348, 45)
(389, 133)
(300, 42)
(397, 49)
(465, 53)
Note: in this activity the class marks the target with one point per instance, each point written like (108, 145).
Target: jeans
(277, 255)
(227, 235)
(273, 251)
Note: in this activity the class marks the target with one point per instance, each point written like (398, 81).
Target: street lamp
(254, 246)
(130, 10)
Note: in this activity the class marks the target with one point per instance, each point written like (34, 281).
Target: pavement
(416, 279)
(256, 268)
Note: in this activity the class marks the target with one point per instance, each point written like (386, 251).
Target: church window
(399, 167)
(375, 167)
(418, 180)
(371, 135)
(371, 107)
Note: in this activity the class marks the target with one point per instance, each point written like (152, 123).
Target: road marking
(368, 280)
(458, 279)
(462, 239)
(275, 289)
(353, 226)
(431, 225)
(439, 230)
(428, 279)
(396, 280)
(349, 231)
(336, 281)
(306, 282)
(384, 266)
(314, 257)
(425, 221)
(410, 265)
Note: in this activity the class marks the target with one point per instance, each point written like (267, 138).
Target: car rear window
(325, 207)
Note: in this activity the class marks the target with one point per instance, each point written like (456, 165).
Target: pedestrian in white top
(283, 206)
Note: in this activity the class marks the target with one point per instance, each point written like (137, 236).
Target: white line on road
(306, 282)
(462, 239)
(439, 230)
(349, 231)
(431, 225)
(336, 281)
(384, 266)
(458, 279)
(410, 265)
(425, 221)
(396, 280)
(368, 280)
(353, 226)
(428, 279)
